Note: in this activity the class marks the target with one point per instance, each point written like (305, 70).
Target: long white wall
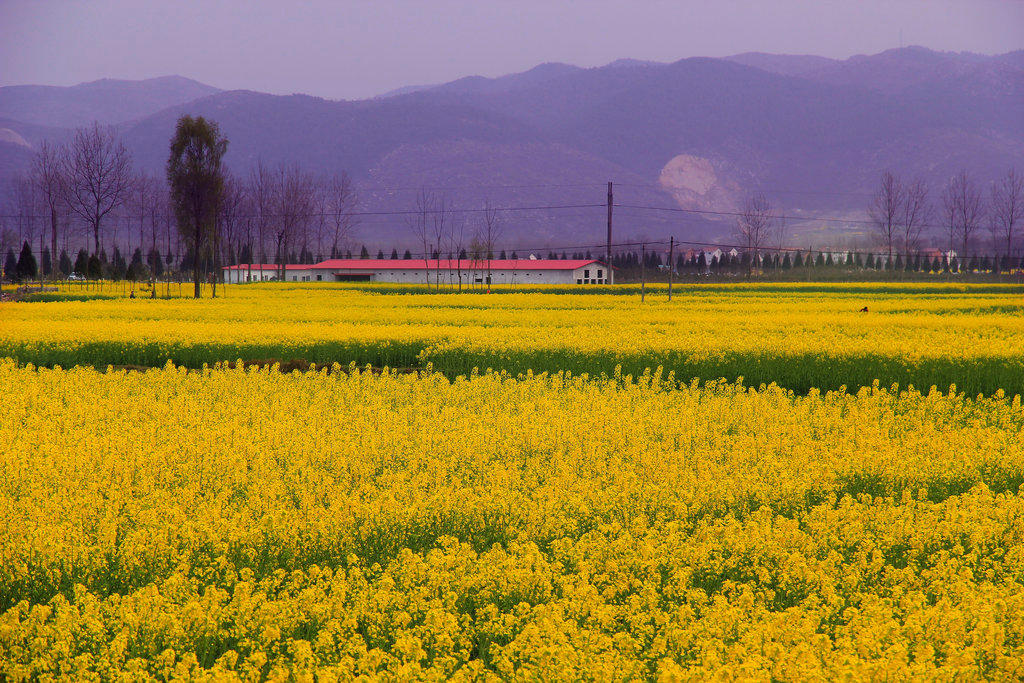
(245, 275)
(591, 274)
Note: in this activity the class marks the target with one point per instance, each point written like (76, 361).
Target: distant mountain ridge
(700, 133)
(107, 100)
(787, 65)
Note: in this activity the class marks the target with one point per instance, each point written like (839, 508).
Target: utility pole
(608, 249)
(671, 263)
(643, 282)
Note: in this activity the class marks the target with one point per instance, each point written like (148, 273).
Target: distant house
(442, 271)
(839, 258)
(264, 272)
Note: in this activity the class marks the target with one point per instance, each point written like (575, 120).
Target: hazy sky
(358, 48)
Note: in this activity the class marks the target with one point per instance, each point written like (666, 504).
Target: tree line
(85, 209)
(965, 221)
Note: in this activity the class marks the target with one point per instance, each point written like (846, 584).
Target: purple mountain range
(814, 134)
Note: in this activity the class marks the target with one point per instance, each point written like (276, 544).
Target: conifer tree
(156, 266)
(64, 263)
(94, 268)
(10, 265)
(82, 263)
(26, 267)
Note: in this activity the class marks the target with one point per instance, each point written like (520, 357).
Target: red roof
(454, 264)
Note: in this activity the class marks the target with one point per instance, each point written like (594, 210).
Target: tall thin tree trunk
(53, 243)
(195, 259)
(215, 261)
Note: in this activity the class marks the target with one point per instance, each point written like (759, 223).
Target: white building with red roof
(435, 271)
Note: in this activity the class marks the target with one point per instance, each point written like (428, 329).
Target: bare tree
(141, 200)
(755, 225)
(247, 232)
(477, 251)
(339, 204)
(886, 209)
(1007, 212)
(456, 245)
(915, 215)
(98, 176)
(159, 220)
(441, 224)
(231, 216)
(949, 217)
(962, 206)
(321, 217)
(419, 225)
(777, 237)
(47, 177)
(25, 198)
(293, 210)
(262, 192)
(490, 235)
(163, 220)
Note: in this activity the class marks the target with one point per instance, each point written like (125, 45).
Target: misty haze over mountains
(814, 134)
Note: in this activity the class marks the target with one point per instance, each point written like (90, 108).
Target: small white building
(435, 271)
(265, 272)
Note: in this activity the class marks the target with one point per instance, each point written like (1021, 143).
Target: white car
(75, 276)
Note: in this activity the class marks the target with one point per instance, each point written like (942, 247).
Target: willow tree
(196, 179)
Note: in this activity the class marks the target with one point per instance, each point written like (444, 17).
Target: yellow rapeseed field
(602, 506)
(228, 523)
(800, 336)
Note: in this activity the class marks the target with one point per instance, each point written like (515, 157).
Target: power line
(734, 214)
(539, 207)
(343, 214)
(379, 188)
(828, 193)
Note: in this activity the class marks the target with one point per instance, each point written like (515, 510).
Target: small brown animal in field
(863, 310)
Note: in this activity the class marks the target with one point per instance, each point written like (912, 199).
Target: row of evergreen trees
(699, 262)
(25, 267)
(154, 265)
